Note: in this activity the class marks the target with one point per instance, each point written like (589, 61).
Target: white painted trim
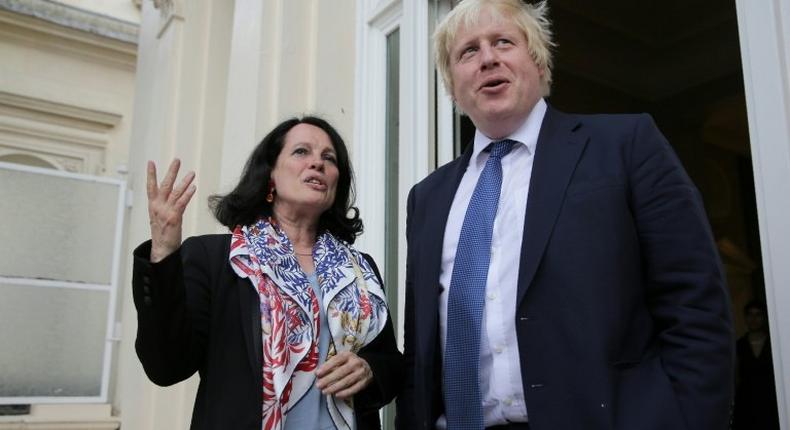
(49, 283)
(61, 174)
(764, 28)
(445, 133)
(370, 118)
(97, 117)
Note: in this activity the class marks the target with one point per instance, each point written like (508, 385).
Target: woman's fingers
(150, 182)
(166, 205)
(179, 190)
(170, 177)
(344, 375)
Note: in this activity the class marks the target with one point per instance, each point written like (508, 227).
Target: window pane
(53, 341)
(391, 171)
(56, 228)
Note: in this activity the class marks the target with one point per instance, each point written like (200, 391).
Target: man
(755, 393)
(561, 274)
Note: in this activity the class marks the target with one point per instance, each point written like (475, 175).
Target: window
(59, 264)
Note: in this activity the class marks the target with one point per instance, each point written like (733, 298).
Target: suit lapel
(440, 210)
(559, 148)
(438, 196)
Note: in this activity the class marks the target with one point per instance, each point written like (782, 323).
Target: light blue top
(311, 411)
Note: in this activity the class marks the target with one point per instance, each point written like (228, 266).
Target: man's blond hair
(531, 19)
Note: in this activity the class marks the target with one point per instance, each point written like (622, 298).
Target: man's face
(495, 80)
(755, 319)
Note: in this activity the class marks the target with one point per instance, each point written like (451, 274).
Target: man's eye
(468, 52)
(503, 42)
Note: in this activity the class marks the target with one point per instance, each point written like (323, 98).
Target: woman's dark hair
(247, 202)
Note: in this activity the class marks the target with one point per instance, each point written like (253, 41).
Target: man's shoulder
(601, 120)
(441, 174)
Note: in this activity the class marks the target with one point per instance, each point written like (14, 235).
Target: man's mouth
(493, 83)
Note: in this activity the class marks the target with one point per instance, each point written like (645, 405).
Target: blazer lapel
(250, 314)
(559, 148)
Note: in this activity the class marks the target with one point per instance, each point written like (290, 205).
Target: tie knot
(500, 148)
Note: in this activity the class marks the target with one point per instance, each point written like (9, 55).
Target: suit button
(147, 301)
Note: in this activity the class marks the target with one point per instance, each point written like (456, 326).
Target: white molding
(373, 25)
(71, 149)
(764, 28)
(75, 18)
(37, 32)
(91, 118)
(63, 417)
(375, 22)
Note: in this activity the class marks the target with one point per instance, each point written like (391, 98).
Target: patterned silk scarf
(352, 298)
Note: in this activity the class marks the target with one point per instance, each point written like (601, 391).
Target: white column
(764, 28)
(179, 99)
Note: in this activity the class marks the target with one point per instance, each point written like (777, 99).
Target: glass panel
(56, 228)
(391, 163)
(391, 171)
(53, 341)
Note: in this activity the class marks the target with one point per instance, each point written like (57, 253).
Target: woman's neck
(301, 231)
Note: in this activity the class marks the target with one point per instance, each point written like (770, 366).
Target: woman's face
(305, 173)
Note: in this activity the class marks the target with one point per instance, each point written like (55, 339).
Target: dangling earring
(270, 196)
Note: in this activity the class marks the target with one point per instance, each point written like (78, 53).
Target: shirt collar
(526, 134)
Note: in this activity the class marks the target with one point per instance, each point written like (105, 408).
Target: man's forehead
(489, 24)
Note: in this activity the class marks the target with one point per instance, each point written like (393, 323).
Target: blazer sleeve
(172, 301)
(685, 287)
(385, 361)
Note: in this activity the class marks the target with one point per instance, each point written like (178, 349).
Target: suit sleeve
(172, 301)
(386, 362)
(405, 413)
(686, 292)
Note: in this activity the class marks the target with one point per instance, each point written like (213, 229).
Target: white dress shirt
(500, 370)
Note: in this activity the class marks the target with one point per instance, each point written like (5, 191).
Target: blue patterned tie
(462, 397)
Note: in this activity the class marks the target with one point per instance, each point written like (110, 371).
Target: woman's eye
(300, 151)
(330, 158)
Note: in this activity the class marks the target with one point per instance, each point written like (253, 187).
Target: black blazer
(622, 315)
(195, 314)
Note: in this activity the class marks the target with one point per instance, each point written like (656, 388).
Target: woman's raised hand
(166, 206)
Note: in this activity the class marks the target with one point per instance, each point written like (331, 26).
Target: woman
(283, 319)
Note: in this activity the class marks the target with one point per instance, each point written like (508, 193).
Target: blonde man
(561, 273)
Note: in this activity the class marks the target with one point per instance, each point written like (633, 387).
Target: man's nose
(488, 56)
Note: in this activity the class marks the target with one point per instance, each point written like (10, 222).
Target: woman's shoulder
(208, 242)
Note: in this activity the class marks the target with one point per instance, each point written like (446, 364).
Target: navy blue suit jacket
(622, 315)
